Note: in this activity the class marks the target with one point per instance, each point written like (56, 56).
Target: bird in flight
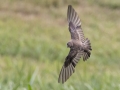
(79, 46)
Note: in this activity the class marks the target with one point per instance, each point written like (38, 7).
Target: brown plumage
(79, 45)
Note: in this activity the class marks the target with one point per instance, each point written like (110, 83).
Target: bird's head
(69, 44)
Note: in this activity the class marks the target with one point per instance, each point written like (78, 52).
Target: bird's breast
(77, 44)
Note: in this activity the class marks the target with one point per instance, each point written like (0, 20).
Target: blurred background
(33, 37)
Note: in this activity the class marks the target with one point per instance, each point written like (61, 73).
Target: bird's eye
(67, 44)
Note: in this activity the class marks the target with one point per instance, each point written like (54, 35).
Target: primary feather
(74, 24)
(69, 65)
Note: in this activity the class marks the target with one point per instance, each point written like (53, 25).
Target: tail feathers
(87, 44)
(65, 73)
(87, 53)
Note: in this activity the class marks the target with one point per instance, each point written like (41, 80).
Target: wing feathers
(65, 73)
(63, 76)
(73, 18)
(71, 15)
(68, 69)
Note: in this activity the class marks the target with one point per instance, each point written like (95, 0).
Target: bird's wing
(69, 65)
(74, 24)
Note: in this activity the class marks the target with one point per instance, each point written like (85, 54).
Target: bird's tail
(86, 53)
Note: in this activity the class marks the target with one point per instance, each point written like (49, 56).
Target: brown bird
(79, 46)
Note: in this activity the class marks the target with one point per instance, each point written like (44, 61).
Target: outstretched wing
(74, 24)
(69, 65)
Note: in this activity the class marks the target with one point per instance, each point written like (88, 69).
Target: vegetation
(33, 37)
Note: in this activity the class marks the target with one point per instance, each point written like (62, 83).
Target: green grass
(33, 37)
